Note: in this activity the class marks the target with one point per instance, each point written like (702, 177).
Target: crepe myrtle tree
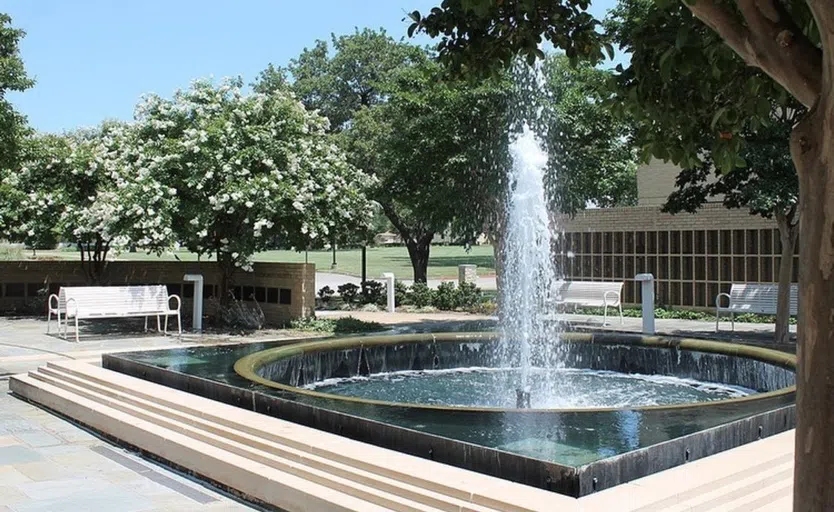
(81, 188)
(248, 169)
(792, 42)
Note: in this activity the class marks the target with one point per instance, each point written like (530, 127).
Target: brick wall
(283, 290)
(692, 256)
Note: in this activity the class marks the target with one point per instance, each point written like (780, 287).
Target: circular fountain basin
(452, 372)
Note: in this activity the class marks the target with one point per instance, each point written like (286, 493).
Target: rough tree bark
(227, 271)
(769, 39)
(417, 240)
(418, 251)
(94, 259)
(788, 233)
(813, 150)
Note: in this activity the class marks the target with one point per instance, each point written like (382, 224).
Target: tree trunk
(418, 252)
(788, 232)
(227, 270)
(812, 148)
(93, 260)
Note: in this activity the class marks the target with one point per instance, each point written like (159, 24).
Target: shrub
(421, 295)
(446, 297)
(240, 315)
(325, 294)
(401, 297)
(336, 326)
(373, 292)
(469, 295)
(349, 293)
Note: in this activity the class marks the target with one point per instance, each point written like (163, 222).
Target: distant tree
(339, 79)
(438, 148)
(247, 170)
(593, 159)
(12, 78)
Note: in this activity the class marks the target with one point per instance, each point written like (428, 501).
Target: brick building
(692, 256)
(283, 291)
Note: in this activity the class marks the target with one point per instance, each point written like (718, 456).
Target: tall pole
(364, 264)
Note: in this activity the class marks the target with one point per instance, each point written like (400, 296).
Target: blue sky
(93, 59)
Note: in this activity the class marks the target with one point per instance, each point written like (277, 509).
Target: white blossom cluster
(82, 188)
(219, 171)
(249, 168)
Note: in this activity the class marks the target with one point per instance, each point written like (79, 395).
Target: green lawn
(442, 264)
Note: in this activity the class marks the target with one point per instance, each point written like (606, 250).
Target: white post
(647, 294)
(389, 287)
(197, 315)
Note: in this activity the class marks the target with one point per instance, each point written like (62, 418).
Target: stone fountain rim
(247, 366)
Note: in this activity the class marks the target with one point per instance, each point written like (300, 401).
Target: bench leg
(179, 324)
(166, 325)
(622, 321)
(146, 324)
(48, 320)
(605, 315)
(76, 329)
(158, 324)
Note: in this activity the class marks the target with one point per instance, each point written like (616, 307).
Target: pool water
(488, 387)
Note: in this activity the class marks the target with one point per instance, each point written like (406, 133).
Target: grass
(443, 263)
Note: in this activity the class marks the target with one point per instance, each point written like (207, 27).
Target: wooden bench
(752, 298)
(600, 294)
(94, 302)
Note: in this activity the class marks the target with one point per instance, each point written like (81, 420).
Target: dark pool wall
(311, 367)
(626, 444)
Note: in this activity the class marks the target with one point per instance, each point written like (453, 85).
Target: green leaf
(717, 117)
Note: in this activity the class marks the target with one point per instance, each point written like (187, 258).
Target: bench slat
(759, 298)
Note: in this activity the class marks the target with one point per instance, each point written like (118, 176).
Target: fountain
(569, 412)
(528, 339)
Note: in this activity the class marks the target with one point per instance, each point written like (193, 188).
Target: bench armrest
(611, 292)
(57, 302)
(179, 301)
(74, 310)
(718, 300)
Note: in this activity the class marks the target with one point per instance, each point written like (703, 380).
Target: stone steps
(270, 460)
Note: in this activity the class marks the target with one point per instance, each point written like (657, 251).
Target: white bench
(92, 302)
(600, 294)
(752, 298)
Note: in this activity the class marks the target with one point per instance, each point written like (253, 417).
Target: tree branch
(725, 24)
(770, 40)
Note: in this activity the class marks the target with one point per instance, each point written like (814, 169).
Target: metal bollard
(647, 294)
(197, 314)
(389, 288)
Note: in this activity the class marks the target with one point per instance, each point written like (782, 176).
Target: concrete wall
(283, 290)
(656, 180)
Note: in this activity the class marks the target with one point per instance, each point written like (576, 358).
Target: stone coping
(247, 367)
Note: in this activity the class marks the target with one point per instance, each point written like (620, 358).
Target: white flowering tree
(249, 169)
(87, 188)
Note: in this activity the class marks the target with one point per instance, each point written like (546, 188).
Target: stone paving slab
(47, 464)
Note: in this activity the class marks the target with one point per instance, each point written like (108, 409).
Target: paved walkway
(48, 464)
